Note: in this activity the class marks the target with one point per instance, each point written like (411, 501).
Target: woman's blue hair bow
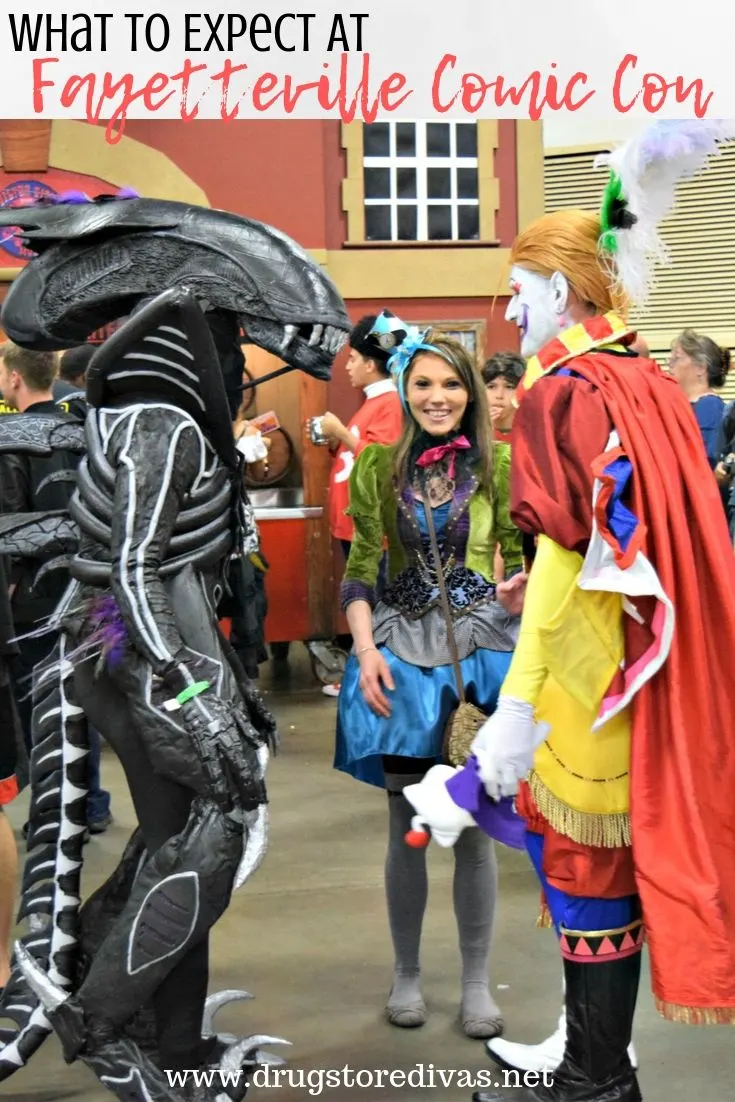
(412, 342)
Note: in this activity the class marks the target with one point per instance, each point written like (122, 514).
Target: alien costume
(159, 512)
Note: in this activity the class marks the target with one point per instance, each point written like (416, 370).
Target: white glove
(505, 746)
(253, 447)
(435, 807)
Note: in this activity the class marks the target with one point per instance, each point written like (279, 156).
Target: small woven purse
(466, 719)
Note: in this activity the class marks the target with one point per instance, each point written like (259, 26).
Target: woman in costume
(625, 641)
(399, 687)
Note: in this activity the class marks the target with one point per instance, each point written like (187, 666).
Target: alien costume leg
(162, 808)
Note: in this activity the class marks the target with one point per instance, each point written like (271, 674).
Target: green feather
(613, 194)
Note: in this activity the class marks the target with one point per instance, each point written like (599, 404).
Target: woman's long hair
(475, 423)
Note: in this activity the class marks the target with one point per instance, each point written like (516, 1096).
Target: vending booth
(290, 502)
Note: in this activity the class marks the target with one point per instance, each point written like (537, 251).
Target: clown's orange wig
(567, 241)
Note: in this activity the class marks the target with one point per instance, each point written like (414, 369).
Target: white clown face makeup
(537, 306)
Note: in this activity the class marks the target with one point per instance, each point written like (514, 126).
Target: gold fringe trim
(696, 1015)
(636, 925)
(544, 920)
(607, 831)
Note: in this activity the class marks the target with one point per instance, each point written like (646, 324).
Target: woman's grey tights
(474, 894)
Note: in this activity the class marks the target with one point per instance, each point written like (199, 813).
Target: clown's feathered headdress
(640, 193)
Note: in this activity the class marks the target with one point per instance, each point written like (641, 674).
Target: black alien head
(95, 261)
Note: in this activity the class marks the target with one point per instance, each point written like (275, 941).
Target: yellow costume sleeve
(553, 575)
(570, 645)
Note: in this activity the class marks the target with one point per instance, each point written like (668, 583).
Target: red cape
(683, 720)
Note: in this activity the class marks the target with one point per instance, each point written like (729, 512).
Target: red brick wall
(283, 172)
(289, 172)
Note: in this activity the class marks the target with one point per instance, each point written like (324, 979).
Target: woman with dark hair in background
(700, 367)
(399, 687)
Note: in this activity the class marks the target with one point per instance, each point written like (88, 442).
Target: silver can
(315, 432)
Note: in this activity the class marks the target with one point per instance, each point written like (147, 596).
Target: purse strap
(444, 599)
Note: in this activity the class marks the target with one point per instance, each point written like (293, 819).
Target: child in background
(501, 374)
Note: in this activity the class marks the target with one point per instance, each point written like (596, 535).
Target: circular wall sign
(21, 191)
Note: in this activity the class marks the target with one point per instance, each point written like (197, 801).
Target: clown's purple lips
(523, 320)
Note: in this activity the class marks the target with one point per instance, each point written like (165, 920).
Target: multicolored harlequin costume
(158, 518)
(614, 723)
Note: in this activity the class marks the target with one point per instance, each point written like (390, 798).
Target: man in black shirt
(70, 387)
(30, 484)
(33, 483)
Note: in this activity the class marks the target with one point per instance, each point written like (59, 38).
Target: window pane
(466, 139)
(377, 183)
(438, 183)
(407, 222)
(377, 223)
(467, 183)
(468, 223)
(440, 223)
(437, 139)
(405, 139)
(376, 137)
(406, 179)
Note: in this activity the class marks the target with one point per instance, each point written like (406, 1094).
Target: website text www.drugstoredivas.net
(315, 1081)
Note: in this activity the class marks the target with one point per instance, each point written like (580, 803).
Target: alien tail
(50, 895)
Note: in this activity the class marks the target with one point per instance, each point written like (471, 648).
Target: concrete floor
(308, 936)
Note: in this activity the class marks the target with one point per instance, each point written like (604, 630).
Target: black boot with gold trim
(601, 990)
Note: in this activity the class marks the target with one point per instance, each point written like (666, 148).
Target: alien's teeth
(328, 339)
(289, 333)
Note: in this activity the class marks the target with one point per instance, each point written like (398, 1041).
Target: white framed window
(421, 181)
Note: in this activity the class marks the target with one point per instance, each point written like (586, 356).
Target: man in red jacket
(378, 421)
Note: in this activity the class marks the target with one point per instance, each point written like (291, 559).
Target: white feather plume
(649, 167)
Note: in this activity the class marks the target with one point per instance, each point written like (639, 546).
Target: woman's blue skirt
(423, 700)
